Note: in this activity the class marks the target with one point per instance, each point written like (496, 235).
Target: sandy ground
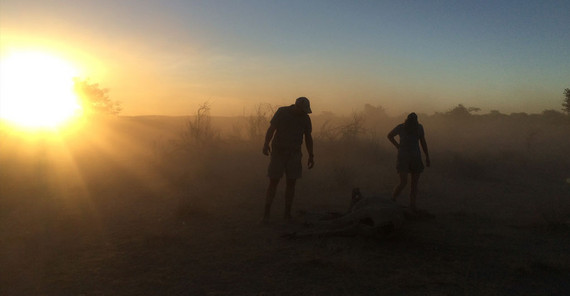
(106, 226)
(141, 244)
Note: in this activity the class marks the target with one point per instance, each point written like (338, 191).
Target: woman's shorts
(409, 164)
(285, 162)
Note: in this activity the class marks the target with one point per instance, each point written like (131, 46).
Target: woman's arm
(391, 138)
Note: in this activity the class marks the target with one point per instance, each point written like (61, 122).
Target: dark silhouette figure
(411, 135)
(286, 131)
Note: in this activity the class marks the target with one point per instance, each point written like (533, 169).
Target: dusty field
(99, 220)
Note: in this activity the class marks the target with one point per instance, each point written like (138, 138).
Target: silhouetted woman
(411, 135)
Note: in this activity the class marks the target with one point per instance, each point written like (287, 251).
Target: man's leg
(414, 190)
(400, 187)
(269, 196)
(289, 194)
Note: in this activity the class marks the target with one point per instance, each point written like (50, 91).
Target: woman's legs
(414, 190)
(400, 187)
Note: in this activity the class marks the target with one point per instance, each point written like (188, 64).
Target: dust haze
(162, 205)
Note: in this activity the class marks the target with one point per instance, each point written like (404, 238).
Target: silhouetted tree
(566, 103)
(459, 111)
(519, 115)
(496, 114)
(374, 111)
(552, 115)
(473, 109)
(94, 99)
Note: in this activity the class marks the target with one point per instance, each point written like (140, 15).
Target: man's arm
(309, 144)
(268, 136)
(425, 148)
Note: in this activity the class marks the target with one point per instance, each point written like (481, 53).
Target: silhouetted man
(287, 128)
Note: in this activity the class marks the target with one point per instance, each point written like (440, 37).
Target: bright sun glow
(36, 90)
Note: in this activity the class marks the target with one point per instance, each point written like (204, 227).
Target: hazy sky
(167, 57)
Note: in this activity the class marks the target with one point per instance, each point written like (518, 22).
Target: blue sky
(167, 57)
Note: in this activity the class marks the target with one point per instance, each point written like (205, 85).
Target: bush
(199, 132)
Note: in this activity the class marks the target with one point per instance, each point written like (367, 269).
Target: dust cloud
(168, 205)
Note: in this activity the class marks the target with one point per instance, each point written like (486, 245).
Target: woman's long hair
(411, 124)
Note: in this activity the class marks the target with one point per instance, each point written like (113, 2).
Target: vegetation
(94, 98)
(104, 216)
(258, 122)
(199, 132)
(566, 103)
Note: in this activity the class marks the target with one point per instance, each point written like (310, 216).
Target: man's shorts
(285, 162)
(409, 163)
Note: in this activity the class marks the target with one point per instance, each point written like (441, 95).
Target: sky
(169, 57)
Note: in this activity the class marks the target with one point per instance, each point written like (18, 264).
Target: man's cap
(304, 104)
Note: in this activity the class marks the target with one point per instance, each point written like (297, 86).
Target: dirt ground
(139, 244)
(118, 231)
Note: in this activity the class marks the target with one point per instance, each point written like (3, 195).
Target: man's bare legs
(414, 190)
(398, 189)
(269, 197)
(289, 194)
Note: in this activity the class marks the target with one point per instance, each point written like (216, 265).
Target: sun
(36, 90)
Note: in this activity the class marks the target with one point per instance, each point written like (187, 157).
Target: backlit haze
(168, 57)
